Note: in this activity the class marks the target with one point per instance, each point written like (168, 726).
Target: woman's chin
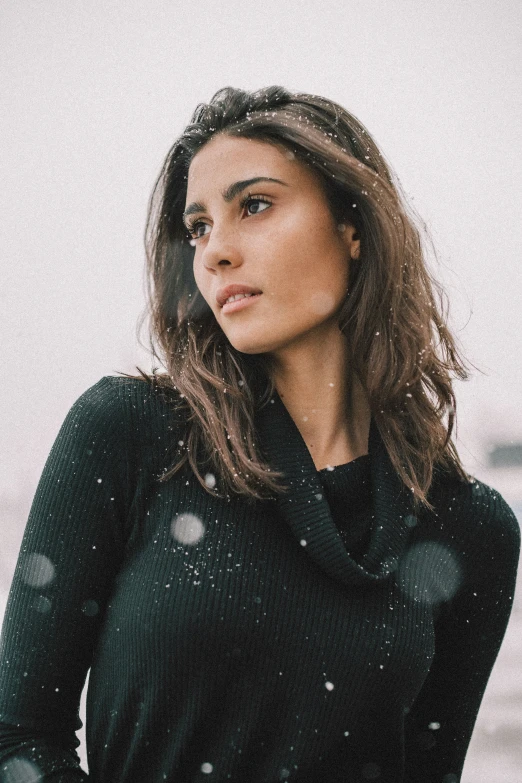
(251, 345)
(249, 348)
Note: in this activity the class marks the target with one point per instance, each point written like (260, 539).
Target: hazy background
(93, 95)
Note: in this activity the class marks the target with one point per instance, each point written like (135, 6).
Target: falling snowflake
(20, 770)
(210, 480)
(430, 572)
(90, 608)
(37, 570)
(42, 604)
(187, 528)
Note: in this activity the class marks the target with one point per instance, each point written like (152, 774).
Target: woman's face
(276, 235)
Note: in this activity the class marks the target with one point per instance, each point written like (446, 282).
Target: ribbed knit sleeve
(69, 556)
(468, 631)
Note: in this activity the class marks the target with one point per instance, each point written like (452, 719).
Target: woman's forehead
(225, 159)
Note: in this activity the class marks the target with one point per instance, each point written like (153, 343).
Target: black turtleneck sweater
(328, 635)
(349, 487)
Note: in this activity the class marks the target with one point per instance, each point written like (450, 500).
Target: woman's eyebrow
(230, 193)
(233, 190)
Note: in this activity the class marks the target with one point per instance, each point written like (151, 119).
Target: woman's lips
(239, 304)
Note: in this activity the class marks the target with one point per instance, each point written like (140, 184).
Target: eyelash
(191, 227)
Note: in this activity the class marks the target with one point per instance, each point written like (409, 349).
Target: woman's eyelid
(192, 225)
(256, 197)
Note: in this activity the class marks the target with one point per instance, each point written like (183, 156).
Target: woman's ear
(351, 238)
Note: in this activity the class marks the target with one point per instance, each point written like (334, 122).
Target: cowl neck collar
(306, 510)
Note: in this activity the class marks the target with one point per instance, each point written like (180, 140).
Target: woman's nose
(221, 249)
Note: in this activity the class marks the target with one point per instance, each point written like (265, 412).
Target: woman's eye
(256, 205)
(253, 205)
(197, 230)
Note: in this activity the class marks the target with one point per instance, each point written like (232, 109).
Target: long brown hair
(393, 315)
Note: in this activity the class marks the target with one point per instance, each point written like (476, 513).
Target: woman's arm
(468, 635)
(70, 553)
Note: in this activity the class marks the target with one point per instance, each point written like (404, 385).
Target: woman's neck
(325, 399)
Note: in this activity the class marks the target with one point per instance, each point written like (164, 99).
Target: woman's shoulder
(133, 409)
(145, 395)
(475, 508)
(134, 420)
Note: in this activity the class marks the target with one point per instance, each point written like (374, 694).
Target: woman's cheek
(198, 277)
(322, 303)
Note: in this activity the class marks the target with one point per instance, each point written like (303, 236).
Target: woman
(269, 556)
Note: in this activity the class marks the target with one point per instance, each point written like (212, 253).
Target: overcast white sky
(94, 94)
